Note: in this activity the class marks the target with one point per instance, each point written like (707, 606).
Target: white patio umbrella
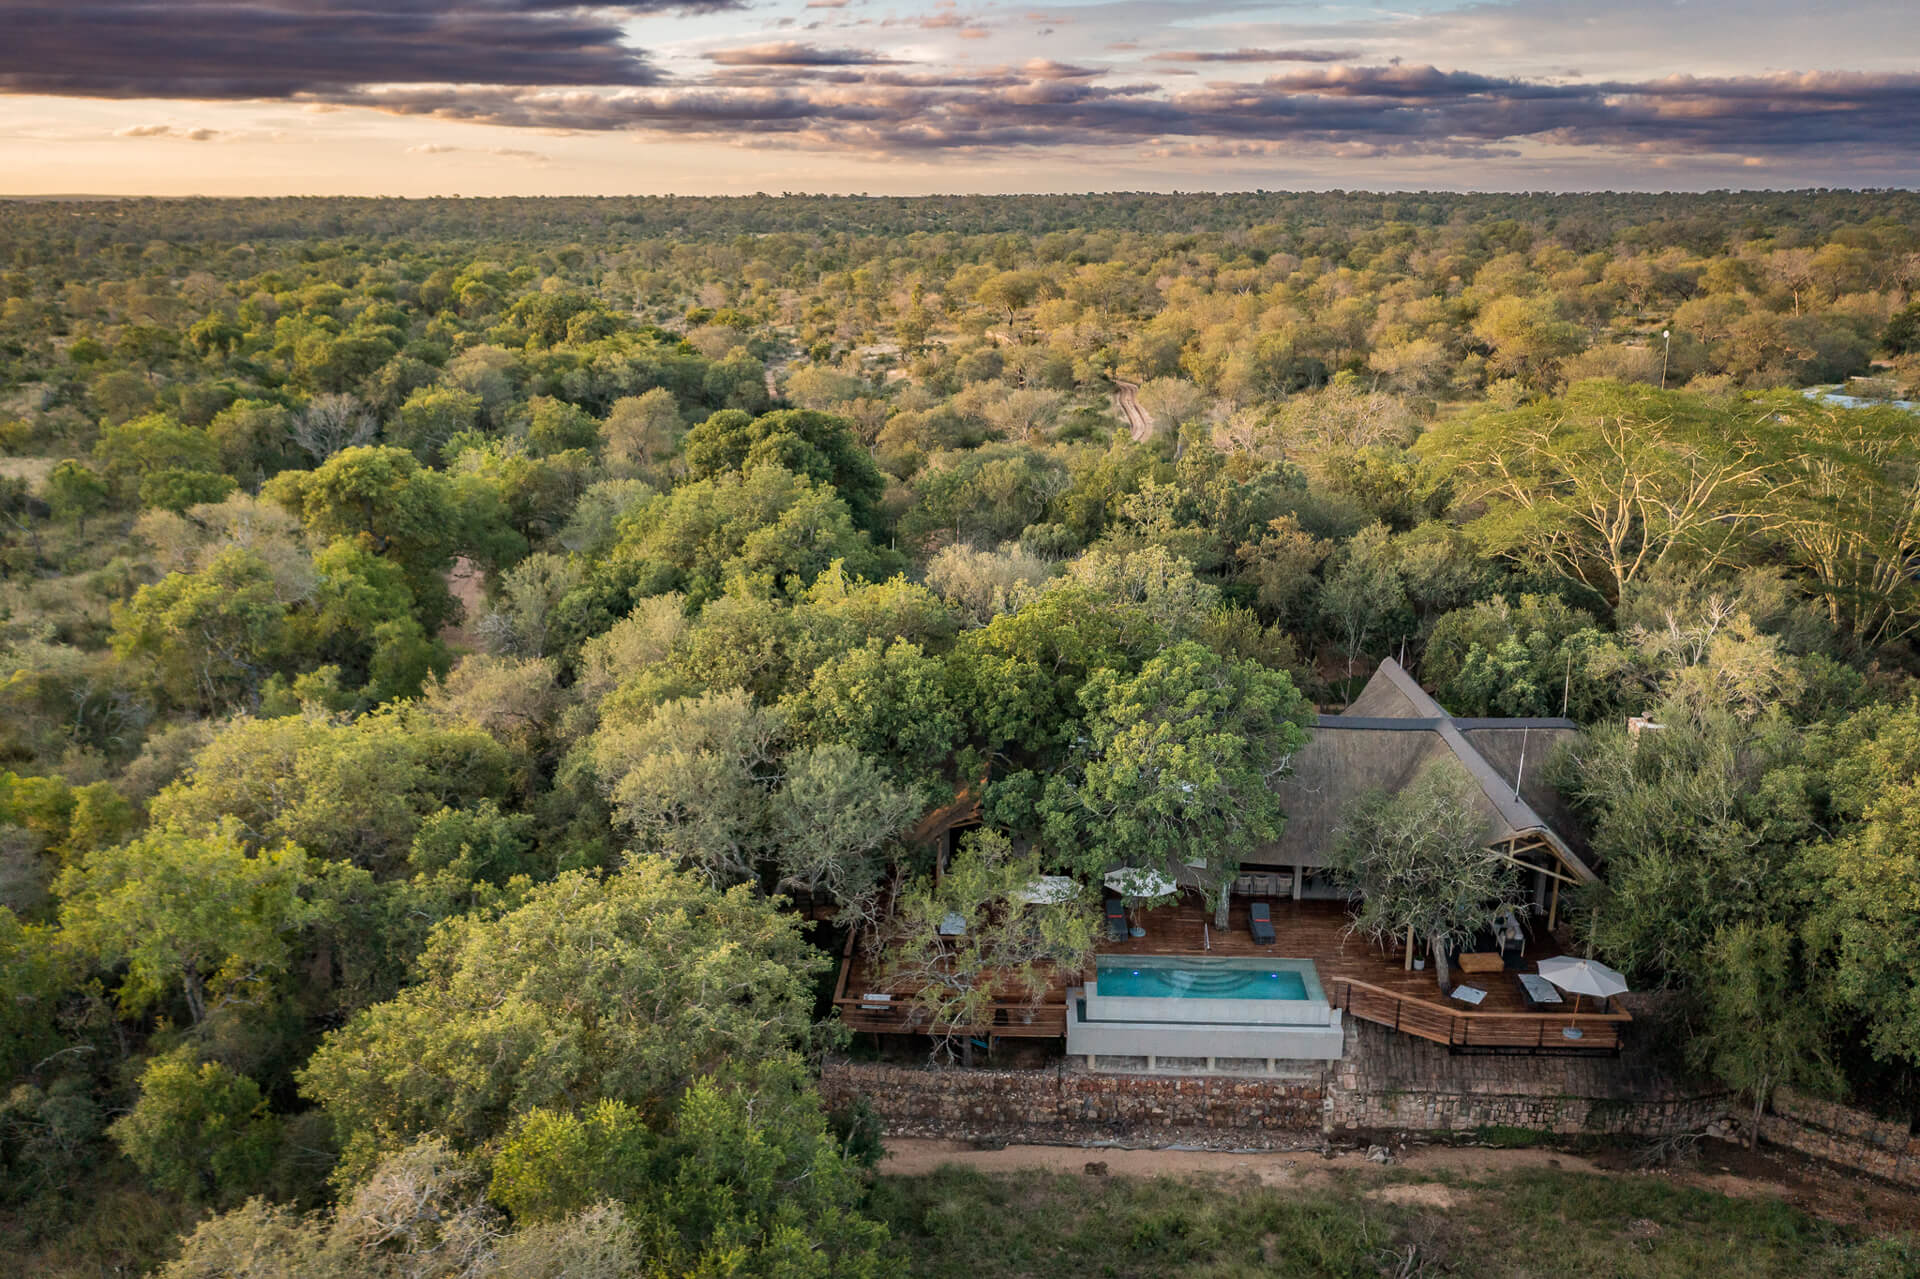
(1583, 977)
(1048, 890)
(1139, 882)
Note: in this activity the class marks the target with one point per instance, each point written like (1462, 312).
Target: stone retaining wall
(1844, 1136)
(1057, 1105)
(1387, 1082)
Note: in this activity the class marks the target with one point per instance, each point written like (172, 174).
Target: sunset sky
(496, 97)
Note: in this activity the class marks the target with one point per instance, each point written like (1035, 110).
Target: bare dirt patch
(1420, 1194)
(31, 469)
(466, 581)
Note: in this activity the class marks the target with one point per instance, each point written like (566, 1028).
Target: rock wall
(1058, 1105)
(1387, 1082)
(1396, 1082)
(1844, 1136)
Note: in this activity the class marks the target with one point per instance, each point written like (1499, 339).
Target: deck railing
(1468, 1030)
(893, 1012)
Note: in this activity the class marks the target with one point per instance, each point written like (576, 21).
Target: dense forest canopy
(438, 637)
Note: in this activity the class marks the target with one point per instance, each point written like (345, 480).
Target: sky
(534, 97)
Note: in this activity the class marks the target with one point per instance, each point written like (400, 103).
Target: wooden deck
(1357, 977)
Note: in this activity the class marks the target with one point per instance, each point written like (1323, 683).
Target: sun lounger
(1116, 919)
(1260, 923)
(1540, 993)
(1468, 995)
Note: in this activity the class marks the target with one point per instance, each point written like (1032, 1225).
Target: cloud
(792, 53)
(274, 48)
(199, 134)
(1356, 111)
(1257, 55)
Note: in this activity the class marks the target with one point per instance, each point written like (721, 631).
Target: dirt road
(1127, 402)
(1722, 1169)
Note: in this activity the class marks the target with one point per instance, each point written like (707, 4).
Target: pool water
(1257, 979)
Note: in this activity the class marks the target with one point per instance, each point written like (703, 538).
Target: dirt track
(1722, 1169)
(1128, 402)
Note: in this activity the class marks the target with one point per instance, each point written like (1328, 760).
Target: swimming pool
(1157, 978)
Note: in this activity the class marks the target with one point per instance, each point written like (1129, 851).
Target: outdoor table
(1482, 961)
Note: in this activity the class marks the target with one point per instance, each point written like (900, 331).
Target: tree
(641, 430)
(354, 790)
(1698, 824)
(213, 636)
(1610, 484)
(35, 972)
(331, 424)
(75, 491)
(774, 530)
(626, 988)
(431, 416)
(1418, 859)
(1181, 761)
(691, 780)
(392, 506)
(1864, 922)
(1363, 597)
(201, 914)
(1003, 943)
(819, 446)
(255, 439)
(889, 702)
(199, 1133)
(1763, 1026)
(830, 826)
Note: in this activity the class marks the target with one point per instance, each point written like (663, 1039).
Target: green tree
(1763, 1027)
(1181, 761)
(212, 637)
(1004, 942)
(75, 490)
(431, 416)
(383, 499)
(831, 825)
(200, 1133)
(889, 702)
(203, 915)
(819, 446)
(691, 780)
(1610, 484)
(625, 988)
(1419, 861)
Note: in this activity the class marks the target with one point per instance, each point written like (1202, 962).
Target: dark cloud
(1358, 111)
(274, 48)
(792, 53)
(1257, 55)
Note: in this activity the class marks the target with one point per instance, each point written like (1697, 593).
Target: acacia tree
(832, 821)
(1610, 484)
(1418, 859)
(1002, 943)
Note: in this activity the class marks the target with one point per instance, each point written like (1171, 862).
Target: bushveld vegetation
(434, 636)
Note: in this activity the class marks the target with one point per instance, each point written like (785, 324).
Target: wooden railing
(1463, 1029)
(895, 1012)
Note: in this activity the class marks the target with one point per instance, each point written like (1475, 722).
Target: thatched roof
(1389, 734)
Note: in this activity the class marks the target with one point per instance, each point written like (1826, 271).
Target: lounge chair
(1117, 929)
(1260, 923)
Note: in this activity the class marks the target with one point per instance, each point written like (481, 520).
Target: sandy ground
(31, 469)
(1722, 1168)
(467, 583)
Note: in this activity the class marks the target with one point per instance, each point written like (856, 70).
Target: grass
(1532, 1225)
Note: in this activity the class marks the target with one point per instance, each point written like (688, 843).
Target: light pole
(1664, 354)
